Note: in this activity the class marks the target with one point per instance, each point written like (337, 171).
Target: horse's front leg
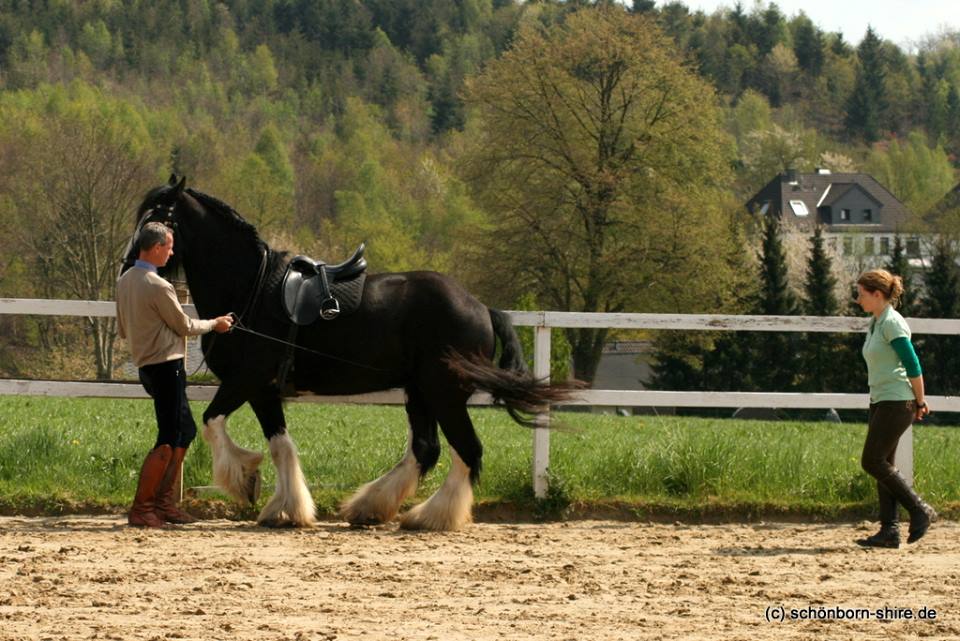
(291, 504)
(235, 469)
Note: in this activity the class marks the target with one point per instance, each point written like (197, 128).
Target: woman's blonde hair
(880, 280)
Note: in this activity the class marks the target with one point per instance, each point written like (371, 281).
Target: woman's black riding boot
(921, 514)
(889, 534)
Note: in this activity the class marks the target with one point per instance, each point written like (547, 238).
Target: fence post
(903, 459)
(541, 435)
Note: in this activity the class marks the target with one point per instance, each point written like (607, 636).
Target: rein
(238, 326)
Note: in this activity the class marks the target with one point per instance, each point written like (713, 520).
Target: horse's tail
(511, 384)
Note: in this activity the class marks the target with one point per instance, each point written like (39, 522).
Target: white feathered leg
(291, 504)
(450, 507)
(378, 501)
(235, 470)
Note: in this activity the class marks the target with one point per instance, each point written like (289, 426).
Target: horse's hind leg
(235, 469)
(449, 508)
(378, 501)
(291, 504)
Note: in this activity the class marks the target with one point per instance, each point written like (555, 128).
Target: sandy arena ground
(94, 578)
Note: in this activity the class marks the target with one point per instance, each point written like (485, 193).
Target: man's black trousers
(167, 384)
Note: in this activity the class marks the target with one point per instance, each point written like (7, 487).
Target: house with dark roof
(859, 216)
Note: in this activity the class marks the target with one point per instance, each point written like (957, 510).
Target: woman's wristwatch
(921, 405)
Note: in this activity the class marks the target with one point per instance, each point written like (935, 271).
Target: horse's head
(207, 233)
(164, 204)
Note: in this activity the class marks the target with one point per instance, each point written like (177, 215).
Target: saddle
(312, 289)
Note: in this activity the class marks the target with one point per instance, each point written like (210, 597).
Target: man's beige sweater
(149, 316)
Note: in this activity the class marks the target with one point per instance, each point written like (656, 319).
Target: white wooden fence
(543, 322)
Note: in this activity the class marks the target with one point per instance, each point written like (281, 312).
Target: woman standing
(896, 399)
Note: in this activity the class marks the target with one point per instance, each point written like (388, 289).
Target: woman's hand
(922, 409)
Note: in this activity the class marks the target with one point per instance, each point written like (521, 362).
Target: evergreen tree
(808, 46)
(952, 124)
(738, 25)
(727, 365)
(850, 375)
(643, 6)
(774, 365)
(838, 45)
(817, 356)
(939, 353)
(899, 264)
(677, 362)
(867, 104)
(766, 28)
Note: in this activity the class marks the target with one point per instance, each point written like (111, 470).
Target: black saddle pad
(349, 293)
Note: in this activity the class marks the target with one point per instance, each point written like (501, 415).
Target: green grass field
(60, 455)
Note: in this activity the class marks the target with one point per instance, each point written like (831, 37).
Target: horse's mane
(228, 213)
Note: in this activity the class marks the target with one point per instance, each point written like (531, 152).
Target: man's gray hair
(151, 235)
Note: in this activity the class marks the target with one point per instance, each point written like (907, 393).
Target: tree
(899, 265)
(952, 116)
(819, 349)
(399, 198)
(711, 360)
(96, 42)
(774, 358)
(260, 72)
(643, 6)
(940, 354)
(678, 361)
(768, 152)
(868, 102)
(27, 60)
(727, 366)
(766, 28)
(933, 100)
(82, 170)
(777, 75)
(917, 174)
(808, 45)
(598, 155)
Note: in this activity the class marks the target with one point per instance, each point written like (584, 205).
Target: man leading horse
(150, 317)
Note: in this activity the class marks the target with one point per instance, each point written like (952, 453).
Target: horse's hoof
(364, 522)
(252, 487)
(277, 523)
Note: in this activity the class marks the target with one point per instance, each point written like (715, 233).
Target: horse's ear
(173, 180)
(178, 190)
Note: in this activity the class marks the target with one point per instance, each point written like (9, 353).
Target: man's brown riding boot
(143, 512)
(167, 508)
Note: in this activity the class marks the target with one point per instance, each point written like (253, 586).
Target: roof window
(799, 207)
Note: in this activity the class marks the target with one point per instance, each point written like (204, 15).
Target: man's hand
(224, 323)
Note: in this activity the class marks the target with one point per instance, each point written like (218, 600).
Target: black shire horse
(419, 331)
